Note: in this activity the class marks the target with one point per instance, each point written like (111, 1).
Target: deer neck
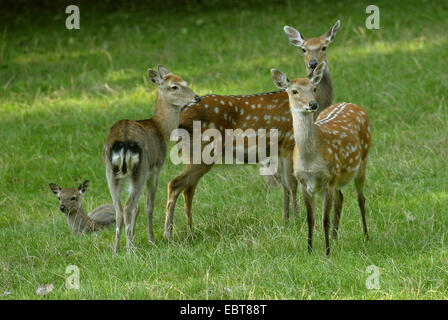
(324, 94)
(305, 136)
(166, 117)
(79, 221)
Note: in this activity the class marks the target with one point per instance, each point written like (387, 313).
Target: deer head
(69, 198)
(172, 88)
(314, 49)
(301, 91)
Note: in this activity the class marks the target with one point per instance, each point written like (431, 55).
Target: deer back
(345, 138)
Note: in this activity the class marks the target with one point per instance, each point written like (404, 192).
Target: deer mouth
(308, 109)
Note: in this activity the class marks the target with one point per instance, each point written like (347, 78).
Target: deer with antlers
(259, 111)
(328, 152)
(136, 151)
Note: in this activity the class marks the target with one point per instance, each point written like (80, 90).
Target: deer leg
(115, 192)
(328, 201)
(359, 184)
(337, 203)
(289, 182)
(286, 202)
(131, 209)
(188, 177)
(188, 194)
(293, 190)
(175, 187)
(309, 205)
(150, 196)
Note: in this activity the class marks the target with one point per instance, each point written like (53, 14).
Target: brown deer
(136, 151)
(314, 52)
(258, 111)
(328, 152)
(71, 205)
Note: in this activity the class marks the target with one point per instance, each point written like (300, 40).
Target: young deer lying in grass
(136, 150)
(77, 219)
(257, 111)
(329, 152)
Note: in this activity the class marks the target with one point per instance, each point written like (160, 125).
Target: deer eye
(294, 91)
(324, 48)
(73, 198)
(174, 88)
(303, 49)
(315, 89)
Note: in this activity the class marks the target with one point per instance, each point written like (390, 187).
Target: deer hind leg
(289, 199)
(289, 183)
(152, 188)
(359, 184)
(286, 202)
(293, 192)
(309, 205)
(328, 201)
(115, 192)
(131, 209)
(188, 194)
(337, 203)
(188, 177)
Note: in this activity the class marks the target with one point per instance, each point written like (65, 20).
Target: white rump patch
(117, 158)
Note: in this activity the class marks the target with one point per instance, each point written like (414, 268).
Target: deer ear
(318, 73)
(280, 79)
(330, 34)
(154, 76)
(294, 36)
(163, 71)
(55, 188)
(83, 187)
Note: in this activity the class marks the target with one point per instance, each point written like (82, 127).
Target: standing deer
(314, 52)
(258, 111)
(328, 152)
(136, 151)
(71, 205)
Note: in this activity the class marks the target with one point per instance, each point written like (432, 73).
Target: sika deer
(329, 152)
(314, 52)
(136, 151)
(77, 219)
(259, 111)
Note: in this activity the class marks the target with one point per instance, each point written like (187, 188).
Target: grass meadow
(60, 91)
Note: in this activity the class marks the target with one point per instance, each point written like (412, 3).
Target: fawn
(328, 152)
(258, 111)
(77, 219)
(136, 151)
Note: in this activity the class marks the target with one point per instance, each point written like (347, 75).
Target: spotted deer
(136, 151)
(328, 152)
(258, 111)
(314, 52)
(70, 203)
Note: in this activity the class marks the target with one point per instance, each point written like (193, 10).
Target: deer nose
(197, 98)
(313, 105)
(62, 207)
(313, 64)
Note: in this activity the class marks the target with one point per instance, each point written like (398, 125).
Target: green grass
(61, 90)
